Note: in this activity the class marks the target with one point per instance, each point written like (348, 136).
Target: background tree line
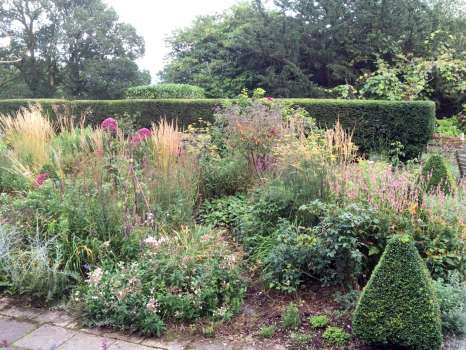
(71, 48)
(301, 48)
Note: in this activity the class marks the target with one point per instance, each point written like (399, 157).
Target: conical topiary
(398, 307)
(436, 174)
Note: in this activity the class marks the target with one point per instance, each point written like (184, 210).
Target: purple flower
(140, 136)
(110, 124)
(40, 179)
(269, 98)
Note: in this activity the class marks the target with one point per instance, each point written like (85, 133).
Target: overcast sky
(155, 19)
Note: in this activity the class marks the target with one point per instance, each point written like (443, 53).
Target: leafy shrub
(336, 335)
(436, 175)
(181, 277)
(267, 331)
(224, 176)
(398, 306)
(340, 248)
(319, 321)
(452, 300)
(165, 90)
(291, 318)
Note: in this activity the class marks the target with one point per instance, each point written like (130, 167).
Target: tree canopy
(71, 48)
(295, 48)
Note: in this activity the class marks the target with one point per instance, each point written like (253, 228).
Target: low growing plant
(267, 331)
(291, 318)
(336, 335)
(182, 276)
(319, 321)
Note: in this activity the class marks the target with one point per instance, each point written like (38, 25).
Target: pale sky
(156, 19)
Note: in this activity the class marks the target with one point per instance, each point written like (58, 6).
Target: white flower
(153, 242)
(152, 305)
(95, 276)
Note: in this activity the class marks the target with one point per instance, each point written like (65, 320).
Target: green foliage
(451, 295)
(436, 175)
(300, 339)
(340, 248)
(56, 55)
(161, 91)
(180, 277)
(319, 321)
(398, 306)
(291, 318)
(336, 336)
(255, 45)
(375, 123)
(448, 127)
(33, 266)
(267, 331)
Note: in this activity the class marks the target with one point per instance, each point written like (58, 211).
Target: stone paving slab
(12, 330)
(86, 341)
(46, 337)
(123, 345)
(58, 318)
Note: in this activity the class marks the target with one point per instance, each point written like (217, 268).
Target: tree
(57, 41)
(297, 46)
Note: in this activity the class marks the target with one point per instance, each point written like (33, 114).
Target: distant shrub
(398, 307)
(436, 174)
(336, 335)
(165, 91)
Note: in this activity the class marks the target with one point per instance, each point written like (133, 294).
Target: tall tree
(296, 45)
(58, 41)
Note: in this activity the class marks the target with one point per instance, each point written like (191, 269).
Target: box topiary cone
(398, 307)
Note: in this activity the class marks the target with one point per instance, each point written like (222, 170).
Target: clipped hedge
(375, 123)
(166, 90)
(399, 307)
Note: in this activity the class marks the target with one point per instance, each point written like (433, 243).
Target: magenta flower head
(109, 124)
(144, 133)
(40, 179)
(140, 136)
(269, 98)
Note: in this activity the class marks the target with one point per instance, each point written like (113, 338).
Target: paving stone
(58, 318)
(12, 330)
(123, 345)
(168, 345)
(123, 336)
(86, 341)
(45, 338)
(19, 312)
(211, 345)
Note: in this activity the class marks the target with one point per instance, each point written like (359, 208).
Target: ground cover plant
(142, 229)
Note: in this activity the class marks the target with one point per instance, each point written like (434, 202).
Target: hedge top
(376, 123)
(165, 90)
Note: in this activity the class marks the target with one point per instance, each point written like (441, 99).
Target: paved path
(40, 329)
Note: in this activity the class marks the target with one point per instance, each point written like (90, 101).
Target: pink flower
(140, 136)
(109, 124)
(269, 98)
(40, 179)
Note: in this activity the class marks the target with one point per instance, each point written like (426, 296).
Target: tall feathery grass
(28, 135)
